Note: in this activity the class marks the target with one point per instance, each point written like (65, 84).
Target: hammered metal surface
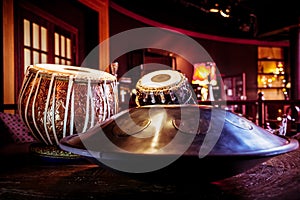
(54, 104)
(202, 138)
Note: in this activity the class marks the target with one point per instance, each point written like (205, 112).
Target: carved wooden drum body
(57, 100)
(164, 87)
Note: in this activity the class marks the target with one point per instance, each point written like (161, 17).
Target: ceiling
(253, 19)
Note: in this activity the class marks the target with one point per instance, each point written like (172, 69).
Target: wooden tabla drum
(58, 100)
(164, 87)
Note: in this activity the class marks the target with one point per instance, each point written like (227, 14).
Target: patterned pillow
(18, 130)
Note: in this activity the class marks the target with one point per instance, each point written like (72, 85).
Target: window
(35, 43)
(62, 49)
(43, 39)
(54, 17)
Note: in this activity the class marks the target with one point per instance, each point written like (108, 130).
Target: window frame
(52, 24)
(9, 95)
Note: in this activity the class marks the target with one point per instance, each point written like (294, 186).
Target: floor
(276, 179)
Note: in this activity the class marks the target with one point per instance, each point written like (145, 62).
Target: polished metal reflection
(240, 145)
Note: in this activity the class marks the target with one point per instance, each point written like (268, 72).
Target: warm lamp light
(204, 73)
(280, 65)
(214, 9)
(225, 13)
(201, 72)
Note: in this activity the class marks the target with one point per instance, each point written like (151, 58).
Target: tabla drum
(164, 87)
(58, 100)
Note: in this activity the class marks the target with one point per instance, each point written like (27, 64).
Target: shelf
(269, 74)
(266, 88)
(271, 59)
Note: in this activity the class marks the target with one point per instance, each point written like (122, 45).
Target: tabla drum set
(71, 108)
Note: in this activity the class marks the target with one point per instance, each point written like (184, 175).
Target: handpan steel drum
(164, 87)
(58, 100)
(178, 142)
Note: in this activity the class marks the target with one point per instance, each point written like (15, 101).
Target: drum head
(160, 79)
(80, 73)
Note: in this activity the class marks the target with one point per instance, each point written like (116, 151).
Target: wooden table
(23, 177)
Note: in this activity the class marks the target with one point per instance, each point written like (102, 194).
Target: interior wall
(233, 59)
(230, 58)
(70, 11)
(78, 16)
(8, 52)
(1, 56)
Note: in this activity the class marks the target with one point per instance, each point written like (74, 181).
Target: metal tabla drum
(164, 87)
(56, 101)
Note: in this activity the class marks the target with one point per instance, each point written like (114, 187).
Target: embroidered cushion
(18, 130)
